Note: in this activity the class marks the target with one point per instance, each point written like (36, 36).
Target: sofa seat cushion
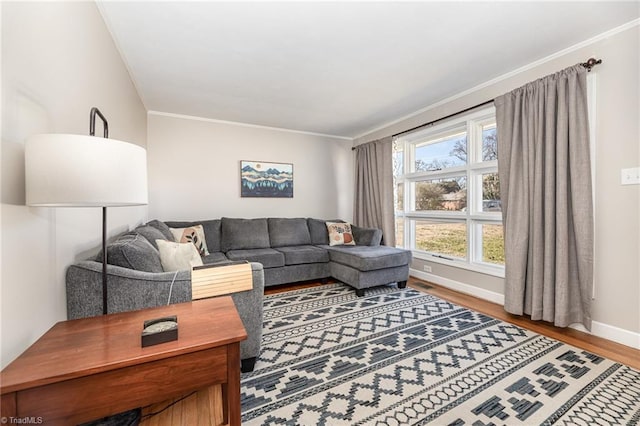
(269, 258)
(284, 232)
(298, 255)
(133, 251)
(369, 258)
(215, 257)
(242, 234)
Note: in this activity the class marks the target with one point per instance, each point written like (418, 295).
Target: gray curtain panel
(373, 203)
(545, 185)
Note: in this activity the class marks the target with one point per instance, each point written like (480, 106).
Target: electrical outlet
(630, 176)
(427, 268)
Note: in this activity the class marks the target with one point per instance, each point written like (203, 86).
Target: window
(448, 206)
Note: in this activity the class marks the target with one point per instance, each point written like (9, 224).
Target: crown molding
(508, 75)
(236, 123)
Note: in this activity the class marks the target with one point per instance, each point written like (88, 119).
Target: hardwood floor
(201, 409)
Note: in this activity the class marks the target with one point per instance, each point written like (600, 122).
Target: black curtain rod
(591, 62)
(437, 120)
(444, 118)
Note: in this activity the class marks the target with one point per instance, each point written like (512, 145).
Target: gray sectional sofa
(297, 249)
(280, 250)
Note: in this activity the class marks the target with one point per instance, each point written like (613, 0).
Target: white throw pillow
(340, 234)
(194, 235)
(178, 256)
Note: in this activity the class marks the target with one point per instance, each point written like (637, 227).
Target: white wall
(58, 61)
(194, 170)
(616, 308)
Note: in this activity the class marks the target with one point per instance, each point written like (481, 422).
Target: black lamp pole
(92, 131)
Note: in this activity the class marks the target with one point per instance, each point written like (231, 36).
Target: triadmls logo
(28, 420)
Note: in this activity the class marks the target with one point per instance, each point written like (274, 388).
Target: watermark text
(27, 420)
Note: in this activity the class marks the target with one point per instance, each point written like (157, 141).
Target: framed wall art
(267, 180)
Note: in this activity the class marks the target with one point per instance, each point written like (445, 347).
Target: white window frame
(473, 217)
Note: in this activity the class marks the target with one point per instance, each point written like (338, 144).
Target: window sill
(496, 271)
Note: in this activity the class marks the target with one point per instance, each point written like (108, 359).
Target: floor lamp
(65, 170)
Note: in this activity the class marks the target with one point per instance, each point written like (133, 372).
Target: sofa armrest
(366, 236)
(128, 289)
(250, 308)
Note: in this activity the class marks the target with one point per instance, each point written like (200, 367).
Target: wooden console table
(85, 369)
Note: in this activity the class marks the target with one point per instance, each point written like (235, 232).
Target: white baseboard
(481, 293)
(606, 331)
(610, 332)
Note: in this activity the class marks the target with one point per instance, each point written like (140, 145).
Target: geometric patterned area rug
(402, 357)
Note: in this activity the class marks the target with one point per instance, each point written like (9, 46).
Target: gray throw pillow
(162, 227)
(133, 251)
(151, 234)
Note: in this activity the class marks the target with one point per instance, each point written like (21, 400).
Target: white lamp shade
(64, 170)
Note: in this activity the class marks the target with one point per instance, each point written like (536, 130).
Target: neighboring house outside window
(447, 196)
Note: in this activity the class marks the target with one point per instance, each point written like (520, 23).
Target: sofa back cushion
(133, 251)
(319, 232)
(288, 232)
(211, 231)
(241, 234)
(151, 234)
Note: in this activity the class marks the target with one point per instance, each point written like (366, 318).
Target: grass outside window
(447, 239)
(492, 244)
(450, 239)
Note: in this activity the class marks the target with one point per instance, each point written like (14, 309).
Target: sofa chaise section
(364, 266)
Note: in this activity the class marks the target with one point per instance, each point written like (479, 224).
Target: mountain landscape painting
(262, 179)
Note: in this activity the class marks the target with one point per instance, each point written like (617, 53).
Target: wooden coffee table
(85, 369)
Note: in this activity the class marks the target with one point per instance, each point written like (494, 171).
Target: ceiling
(336, 68)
